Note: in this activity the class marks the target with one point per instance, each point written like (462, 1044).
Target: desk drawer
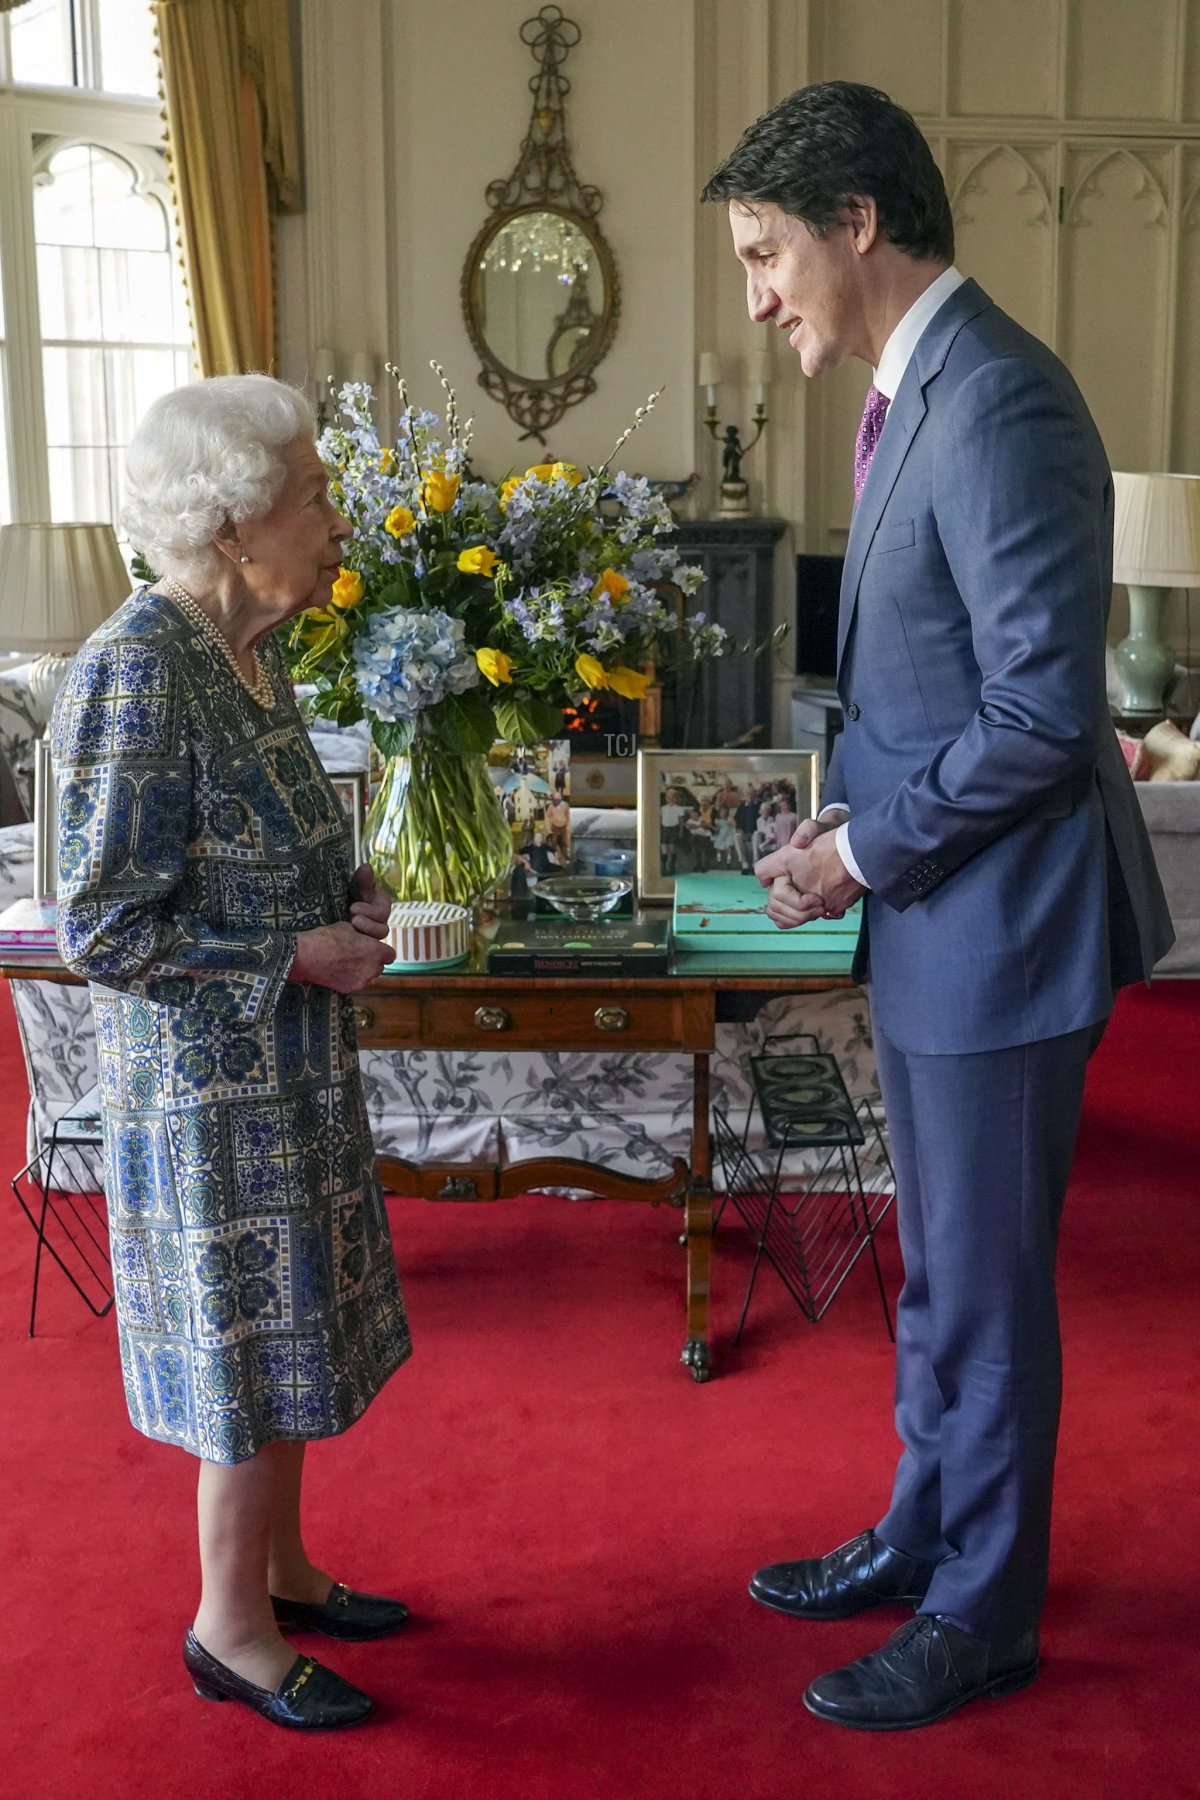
(394, 1018)
(597, 1020)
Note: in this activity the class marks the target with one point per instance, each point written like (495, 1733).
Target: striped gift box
(428, 934)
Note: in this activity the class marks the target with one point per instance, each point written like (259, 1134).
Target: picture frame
(687, 806)
(532, 784)
(45, 823)
(351, 790)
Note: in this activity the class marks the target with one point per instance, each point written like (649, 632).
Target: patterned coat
(256, 1292)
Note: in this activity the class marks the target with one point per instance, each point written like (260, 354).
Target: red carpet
(574, 1521)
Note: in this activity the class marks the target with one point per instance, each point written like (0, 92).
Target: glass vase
(435, 831)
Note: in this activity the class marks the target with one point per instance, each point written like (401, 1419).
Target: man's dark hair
(813, 152)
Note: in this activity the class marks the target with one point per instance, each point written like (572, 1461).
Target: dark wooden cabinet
(724, 701)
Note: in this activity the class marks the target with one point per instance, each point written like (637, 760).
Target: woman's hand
(342, 957)
(371, 906)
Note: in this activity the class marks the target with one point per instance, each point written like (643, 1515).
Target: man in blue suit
(979, 802)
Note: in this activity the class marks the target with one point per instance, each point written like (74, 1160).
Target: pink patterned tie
(874, 413)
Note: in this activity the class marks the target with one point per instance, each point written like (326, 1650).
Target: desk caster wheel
(697, 1357)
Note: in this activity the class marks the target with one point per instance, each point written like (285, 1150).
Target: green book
(607, 946)
(728, 913)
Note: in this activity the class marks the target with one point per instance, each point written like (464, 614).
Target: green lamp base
(1145, 664)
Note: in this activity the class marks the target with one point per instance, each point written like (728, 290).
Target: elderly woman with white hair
(205, 891)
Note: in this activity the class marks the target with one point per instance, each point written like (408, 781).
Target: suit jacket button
(853, 711)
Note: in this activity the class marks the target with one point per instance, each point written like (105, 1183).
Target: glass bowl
(584, 896)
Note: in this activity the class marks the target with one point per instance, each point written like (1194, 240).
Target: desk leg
(699, 1204)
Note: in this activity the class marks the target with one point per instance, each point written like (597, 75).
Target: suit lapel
(903, 419)
(904, 415)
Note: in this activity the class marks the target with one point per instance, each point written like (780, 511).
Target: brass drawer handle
(364, 1017)
(492, 1018)
(612, 1018)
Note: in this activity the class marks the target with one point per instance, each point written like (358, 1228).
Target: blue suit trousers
(982, 1146)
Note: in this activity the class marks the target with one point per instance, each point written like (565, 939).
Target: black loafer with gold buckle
(309, 1698)
(345, 1614)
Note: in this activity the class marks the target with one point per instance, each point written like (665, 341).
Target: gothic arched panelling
(1004, 226)
(1114, 302)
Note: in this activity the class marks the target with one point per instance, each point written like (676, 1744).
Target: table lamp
(1156, 547)
(57, 584)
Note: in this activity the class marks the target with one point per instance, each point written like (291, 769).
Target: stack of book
(27, 931)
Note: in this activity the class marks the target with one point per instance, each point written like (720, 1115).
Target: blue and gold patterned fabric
(256, 1291)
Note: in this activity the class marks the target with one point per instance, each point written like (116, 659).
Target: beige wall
(1088, 109)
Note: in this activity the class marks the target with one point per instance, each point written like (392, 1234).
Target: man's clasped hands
(808, 879)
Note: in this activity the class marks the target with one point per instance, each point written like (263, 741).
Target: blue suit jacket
(1012, 882)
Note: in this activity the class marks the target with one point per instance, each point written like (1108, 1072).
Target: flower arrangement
(467, 611)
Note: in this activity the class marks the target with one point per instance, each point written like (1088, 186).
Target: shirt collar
(897, 352)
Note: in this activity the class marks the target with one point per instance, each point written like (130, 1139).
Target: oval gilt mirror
(540, 290)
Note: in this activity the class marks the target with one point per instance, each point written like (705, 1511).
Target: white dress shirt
(894, 359)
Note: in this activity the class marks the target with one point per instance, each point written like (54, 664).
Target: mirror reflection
(541, 295)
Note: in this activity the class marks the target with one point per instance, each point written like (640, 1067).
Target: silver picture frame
(351, 790)
(45, 823)
(697, 838)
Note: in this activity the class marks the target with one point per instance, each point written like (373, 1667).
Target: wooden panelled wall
(1069, 135)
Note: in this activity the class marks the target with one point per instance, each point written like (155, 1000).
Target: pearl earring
(243, 559)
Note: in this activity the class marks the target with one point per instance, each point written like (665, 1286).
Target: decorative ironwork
(544, 188)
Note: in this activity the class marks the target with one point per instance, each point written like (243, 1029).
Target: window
(113, 319)
(93, 317)
(102, 44)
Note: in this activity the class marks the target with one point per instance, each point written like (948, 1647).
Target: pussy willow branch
(642, 413)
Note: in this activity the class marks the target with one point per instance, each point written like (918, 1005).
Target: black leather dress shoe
(309, 1698)
(345, 1614)
(865, 1572)
(926, 1670)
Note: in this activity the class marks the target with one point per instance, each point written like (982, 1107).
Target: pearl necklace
(260, 689)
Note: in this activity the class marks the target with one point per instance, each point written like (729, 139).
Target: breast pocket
(896, 534)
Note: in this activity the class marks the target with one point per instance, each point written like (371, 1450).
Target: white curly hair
(203, 455)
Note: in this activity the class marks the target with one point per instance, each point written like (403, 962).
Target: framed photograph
(533, 789)
(351, 790)
(712, 812)
(45, 823)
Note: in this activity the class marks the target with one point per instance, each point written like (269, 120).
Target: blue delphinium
(407, 661)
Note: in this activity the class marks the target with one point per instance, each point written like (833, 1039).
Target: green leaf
(393, 737)
(527, 719)
(463, 723)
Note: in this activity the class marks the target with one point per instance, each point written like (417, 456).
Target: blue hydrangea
(406, 662)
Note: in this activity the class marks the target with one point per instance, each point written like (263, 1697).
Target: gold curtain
(231, 131)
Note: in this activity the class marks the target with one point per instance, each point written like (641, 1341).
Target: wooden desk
(468, 1009)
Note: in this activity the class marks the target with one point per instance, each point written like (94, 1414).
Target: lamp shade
(57, 584)
(1156, 535)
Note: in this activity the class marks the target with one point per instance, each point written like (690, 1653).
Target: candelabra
(735, 489)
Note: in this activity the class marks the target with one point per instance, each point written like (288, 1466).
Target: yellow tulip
(590, 671)
(399, 522)
(495, 665)
(387, 461)
(479, 560)
(439, 489)
(347, 589)
(565, 472)
(613, 584)
(508, 489)
(628, 683)
(540, 472)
